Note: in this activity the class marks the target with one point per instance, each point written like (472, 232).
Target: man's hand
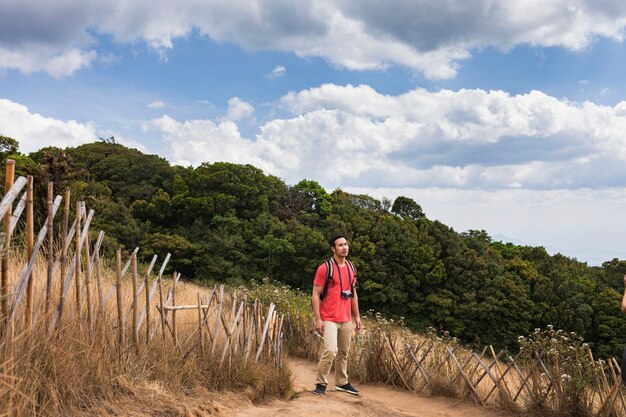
(319, 327)
(357, 322)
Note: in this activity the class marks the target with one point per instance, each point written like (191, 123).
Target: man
(334, 300)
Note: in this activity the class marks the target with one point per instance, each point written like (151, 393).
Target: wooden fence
(529, 380)
(219, 325)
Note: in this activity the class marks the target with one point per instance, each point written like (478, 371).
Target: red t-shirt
(333, 307)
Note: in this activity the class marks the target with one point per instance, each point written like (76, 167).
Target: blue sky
(508, 117)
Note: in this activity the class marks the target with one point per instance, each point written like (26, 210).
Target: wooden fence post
(50, 252)
(218, 318)
(161, 310)
(475, 394)
(120, 310)
(99, 281)
(174, 330)
(135, 302)
(30, 242)
(88, 280)
(63, 260)
(147, 307)
(200, 326)
(4, 263)
(267, 323)
(77, 254)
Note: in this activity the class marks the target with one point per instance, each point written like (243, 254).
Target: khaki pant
(336, 347)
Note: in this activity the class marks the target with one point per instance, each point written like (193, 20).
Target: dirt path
(374, 401)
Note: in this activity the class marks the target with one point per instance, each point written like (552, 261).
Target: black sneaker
(347, 388)
(320, 390)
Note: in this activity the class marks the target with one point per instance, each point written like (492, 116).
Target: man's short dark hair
(332, 240)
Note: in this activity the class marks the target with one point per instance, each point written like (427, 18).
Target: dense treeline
(233, 223)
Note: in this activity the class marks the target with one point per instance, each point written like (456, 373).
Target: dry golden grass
(82, 370)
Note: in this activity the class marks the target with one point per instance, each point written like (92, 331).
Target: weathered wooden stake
(63, 260)
(50, 252)
(174, 330)
(88, 280)
(135, 301)
(218, 318)
(200, 326)
(120, 309)
(4, 263)
(160, 278)
(78, 255)
(147, 306)
(248, 346)
(262, 341)
(30, 242)
(99, 281)
(475, 394)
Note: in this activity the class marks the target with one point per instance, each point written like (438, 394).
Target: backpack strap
(329, 277)
(352, 281)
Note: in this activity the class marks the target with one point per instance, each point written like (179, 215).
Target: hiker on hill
(334, 300)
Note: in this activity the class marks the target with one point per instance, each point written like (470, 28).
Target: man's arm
(624, 298)
(355, 310)
(315, 302)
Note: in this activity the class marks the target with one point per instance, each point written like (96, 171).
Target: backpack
(329, 276)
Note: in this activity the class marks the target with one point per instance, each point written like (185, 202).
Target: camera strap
(350, 267)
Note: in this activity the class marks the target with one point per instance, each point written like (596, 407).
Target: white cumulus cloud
(238, 109)
(278, 71)
(158, 104)
(429, 36)
(34, 131)
(457, 139)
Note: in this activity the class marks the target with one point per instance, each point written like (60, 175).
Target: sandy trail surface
(374, 401)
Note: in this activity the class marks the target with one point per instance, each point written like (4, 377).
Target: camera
(347, 294)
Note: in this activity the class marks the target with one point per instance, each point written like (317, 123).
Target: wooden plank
(475, 394)
(458, 374)
(24, 279)
(50, 251)
(167, 301)
(62, 261)
(420, 367)
(524, 382)
(17, 214)
(77, 256)
(174, 330)
(495, 380)
(217, 319)
(395, 362)
(30, 242)
(186, 307)
(609, 399)
(11, 191)
(596, 378)
(547, 373)
(99, 280)
(230, 334)
(500, 372)
(262, 341)
(200, 325)
(118, 291)
(88, 282)
(135, 301)
(248, 343)
(618, 380)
